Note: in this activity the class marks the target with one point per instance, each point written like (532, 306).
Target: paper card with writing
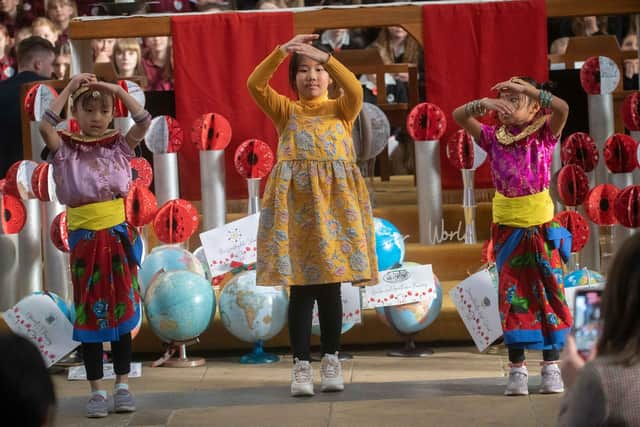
(39, 319)
(401, 286)
(351, 311)
(234, 242)
(80, 373)
(476, 300)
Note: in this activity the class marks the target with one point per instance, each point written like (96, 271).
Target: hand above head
(297, 39)
(110, 88)
(81, 79)
(514, 84)
(301, 44)
(498, 105)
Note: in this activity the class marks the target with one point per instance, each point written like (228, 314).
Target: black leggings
(516, 355)
(301, 300)
(120, 352)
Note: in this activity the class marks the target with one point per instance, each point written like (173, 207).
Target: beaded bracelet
(51, 117)
(475, 108)
(545, 99)
(141, 117)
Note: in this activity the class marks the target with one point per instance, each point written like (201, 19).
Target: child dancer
(92, 176)
(532, 305)
(316, 226)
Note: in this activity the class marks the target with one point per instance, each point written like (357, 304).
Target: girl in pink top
(92, 175)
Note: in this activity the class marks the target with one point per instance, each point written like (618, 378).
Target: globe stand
(410, 349)
(182, 361)
(259, 356)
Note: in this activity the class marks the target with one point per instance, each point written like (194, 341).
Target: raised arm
(350, 102)
(465, 115)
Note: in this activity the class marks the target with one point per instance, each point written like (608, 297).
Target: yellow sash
(524, 211)
(96, 216)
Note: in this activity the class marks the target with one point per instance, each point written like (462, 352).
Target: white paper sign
(234, 242)
(401, 286)
(476, 300)
(39, 319)
(351, 311)
(80, 373)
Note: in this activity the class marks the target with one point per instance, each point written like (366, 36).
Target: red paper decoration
(59, 233)
(460, 150)
(590, 76)
(11, 180)
(631, 111)
(40, 182)
(14, 214)
(254, 159)
(620, 153)
(577, 226)
(599, 204)
(176, 221)
(627, 206)
(141, 171)
(426, 122)
(580, 149)
(30, 99)
(141, 205)
(119, 109)
(211, 131)
(573, 185)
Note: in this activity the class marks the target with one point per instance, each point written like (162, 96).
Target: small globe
(250, 312)
(583, 277)
(389, 244)
(167, 258)
(69, 312)
(179, 305)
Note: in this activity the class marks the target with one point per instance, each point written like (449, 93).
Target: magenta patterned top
(89, 173)
(521, 168)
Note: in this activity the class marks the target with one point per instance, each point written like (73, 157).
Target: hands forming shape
(301, 44)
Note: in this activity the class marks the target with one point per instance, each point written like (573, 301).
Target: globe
(179, 305)
(583, 277)
(68, 312)
(389, 244)
(250, 312)
(166, 258)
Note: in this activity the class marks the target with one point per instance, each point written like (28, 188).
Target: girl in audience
(158, 63)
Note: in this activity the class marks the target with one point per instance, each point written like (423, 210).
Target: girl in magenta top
(92, 175)
(532, 304)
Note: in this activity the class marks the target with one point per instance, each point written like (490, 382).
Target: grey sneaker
(551, 379)
(301, 378)
(123, 401)
(97, 407)
(331, 373)
(518, 382)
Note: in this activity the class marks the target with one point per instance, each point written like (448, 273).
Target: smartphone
(586, 320)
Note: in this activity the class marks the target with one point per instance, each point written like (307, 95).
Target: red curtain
(470, 47)
(213, 56)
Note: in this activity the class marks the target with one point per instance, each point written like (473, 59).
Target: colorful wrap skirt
(532, 304)
(104, 268)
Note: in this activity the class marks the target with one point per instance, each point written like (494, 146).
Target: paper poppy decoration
(599, 75)
(599, 204)
(37, 99)
(14, 214)
(580, 149)
(370, 133)
(573, 185)
(463, 152)
(211, 131)
(140, 205)
(18, 178)
(577, 226)
(631, 111)
(42, 183)
(620, 153)
(59, 233)
(426, 122)
(135, 91)
(141, 171)
(164, 135)
(69, 125)
(176, 221)
(627, 206)
(2, 184)
(254, 159)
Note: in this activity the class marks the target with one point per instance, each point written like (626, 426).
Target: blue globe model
(389, 244)
(166, 258)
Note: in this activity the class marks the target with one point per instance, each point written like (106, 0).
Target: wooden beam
(558, 8)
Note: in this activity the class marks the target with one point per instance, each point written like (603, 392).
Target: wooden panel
(557, 8)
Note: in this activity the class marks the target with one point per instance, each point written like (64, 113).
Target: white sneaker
(331, 373)
(551, 379)
(301, 378)
(518, 382)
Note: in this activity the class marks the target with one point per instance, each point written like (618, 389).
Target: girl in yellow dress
(316, 226)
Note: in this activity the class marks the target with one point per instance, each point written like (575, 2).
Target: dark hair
(295, 63)
(63, 48)
(31, 47)
(25, 386)
(92, 95)
(620, 335)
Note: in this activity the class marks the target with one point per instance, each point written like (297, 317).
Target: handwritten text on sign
(401, 286)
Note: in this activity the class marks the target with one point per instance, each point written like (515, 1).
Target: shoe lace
(330, 367)
(96, 399)
(302, 373)
(552, 375)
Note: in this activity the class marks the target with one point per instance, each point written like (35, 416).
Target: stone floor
(456, 386)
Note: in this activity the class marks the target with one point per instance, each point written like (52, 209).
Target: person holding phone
(604, 389)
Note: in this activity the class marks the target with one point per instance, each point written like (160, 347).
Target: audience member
(60, 12)
(127, 60)
(7, 63)
(157, 63)
(631, 66)
(102, 49)
(43, 27)
(62, 62)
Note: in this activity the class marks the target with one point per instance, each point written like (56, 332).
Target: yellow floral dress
(316, 224)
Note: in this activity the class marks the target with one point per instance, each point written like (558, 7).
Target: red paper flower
(40, 182)
(580, 149)
(577, 226)
(254, 159)
(599, 75)
(211, 131)
(426, 122)
(620, 153)
(573, 185)
(119, 109)
(460, 150)
(37, 100)
(599, 204)
(164, 135)
(176, 221)
(141, 205)
(141, 171)
(11, 179)
(631, 111)
(627, 206)
(14, 214)
(59, 232)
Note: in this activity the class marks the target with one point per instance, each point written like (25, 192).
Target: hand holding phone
(586, 320)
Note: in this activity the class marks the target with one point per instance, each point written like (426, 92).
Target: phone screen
(586, 320)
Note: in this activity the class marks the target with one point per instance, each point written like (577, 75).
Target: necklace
(505, 137)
